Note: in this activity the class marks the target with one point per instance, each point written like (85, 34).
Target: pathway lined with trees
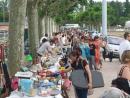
(43, 15)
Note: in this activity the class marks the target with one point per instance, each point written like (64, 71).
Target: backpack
(67, 84)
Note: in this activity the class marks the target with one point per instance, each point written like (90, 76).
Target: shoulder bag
(79, 78)
(97, 79)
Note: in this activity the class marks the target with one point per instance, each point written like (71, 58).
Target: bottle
(32, 90)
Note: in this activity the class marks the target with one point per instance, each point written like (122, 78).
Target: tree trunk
(40, 27)
(51, 27)
(43, 26)
(46, 25)
(33, 27)
(54, 27)
(100, 27)
(16, 34)
(57, 28)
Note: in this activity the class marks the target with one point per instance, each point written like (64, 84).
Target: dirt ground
(114, 33)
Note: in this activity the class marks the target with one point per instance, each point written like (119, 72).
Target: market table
(15, 95)
(53, 68)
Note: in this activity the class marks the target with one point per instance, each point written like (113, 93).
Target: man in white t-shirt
(44, 48)
(125, 45)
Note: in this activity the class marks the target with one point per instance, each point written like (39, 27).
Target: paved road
(109, 71)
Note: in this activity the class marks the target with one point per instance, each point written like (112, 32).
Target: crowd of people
(92, 49)
(77, 47)
(85, 52)
(81, 51)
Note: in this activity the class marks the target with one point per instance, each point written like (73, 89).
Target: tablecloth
(17, 96)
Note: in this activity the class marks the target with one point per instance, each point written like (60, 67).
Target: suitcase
(97, 79)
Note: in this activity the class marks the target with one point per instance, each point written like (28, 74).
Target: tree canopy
(71, 11)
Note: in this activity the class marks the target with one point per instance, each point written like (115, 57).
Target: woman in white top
(125, 45)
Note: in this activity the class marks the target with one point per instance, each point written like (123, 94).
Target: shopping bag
(14, 83)
(97, 79)
(79, 78)
(67, 84)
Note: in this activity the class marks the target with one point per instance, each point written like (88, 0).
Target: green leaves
(92, 15)
(61, 10)
(118, 13)
(71, 11)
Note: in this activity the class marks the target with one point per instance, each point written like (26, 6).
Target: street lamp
(104, 18)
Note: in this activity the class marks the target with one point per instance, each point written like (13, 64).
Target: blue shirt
(85, 50)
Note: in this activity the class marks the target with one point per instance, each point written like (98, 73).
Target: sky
(113, 0)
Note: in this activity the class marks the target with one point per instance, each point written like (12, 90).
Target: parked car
(112, 46)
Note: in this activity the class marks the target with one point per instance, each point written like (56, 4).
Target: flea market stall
(41, 80)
